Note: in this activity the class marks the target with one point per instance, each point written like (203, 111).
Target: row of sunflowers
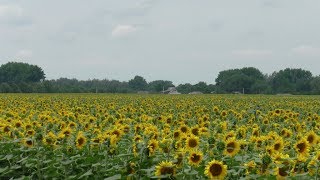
(84, 136)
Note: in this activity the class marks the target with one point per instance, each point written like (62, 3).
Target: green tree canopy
(17, 72)
(315, 85)
(138, 83)
(291, 81)
(159, 85)
(248, 78)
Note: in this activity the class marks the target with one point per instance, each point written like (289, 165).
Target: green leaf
(9, 156)
(88, 173)
(115, 177)
(15, 167)
(2, 170)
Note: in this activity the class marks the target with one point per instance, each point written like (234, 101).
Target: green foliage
(199, 87)
(17, 77)
(315, 85)
(159, 85)
(248, 79)
(17, 72)
(291, 81)
(138, 83)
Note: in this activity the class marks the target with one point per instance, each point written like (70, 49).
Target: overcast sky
(178, 40)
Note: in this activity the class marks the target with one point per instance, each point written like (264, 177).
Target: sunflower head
(195, 158)
(28, 143)
(195, 131)
(232, 147)
(216, 170)
(184, 129)
(282, 172)
(302, 147)
(81, 140)
(153, 145)
(278, 145)
(165, 168)
(192, 142)
(312, 137)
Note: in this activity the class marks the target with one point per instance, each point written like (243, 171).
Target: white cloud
(306, 50)
(123, 30)
(24, 54)
(8, 11)
(252, 53)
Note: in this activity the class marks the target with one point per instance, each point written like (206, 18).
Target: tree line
(17, 77)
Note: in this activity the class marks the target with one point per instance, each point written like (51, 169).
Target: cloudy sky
(178, 40)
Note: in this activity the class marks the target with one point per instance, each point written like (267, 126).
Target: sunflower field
(104, 136)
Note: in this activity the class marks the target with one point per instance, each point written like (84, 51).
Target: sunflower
(49, 139)
(176, 134)
(216, 170)
(278, 145)
(312, 167)
(250, 167)
(18, 124)
(195, 158)
(165, 168)
(312, 137)
(137, 138)
(232, 147)
(81, 140)
(6, 128)
(302, 147)
(192, 142)
(195, 130)
(152, 146)
(117, 132)
(282, 172)
(72, 125)
(30, 132)
(66, 132)
(28, 142)
(223, 113)
(184, 129)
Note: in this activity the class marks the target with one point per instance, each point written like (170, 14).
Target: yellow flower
(28, 142)
(232, 147)
(49, 139)
(302, 148)
(282, 172)
(313, 167)
(216, 170)
(195, 131)
(312, 138)
(278, 144)
(152, 146)
(184, 129)
(192, 142)
(250, 166)
(165, 168)
(195, 158)
(81, 140)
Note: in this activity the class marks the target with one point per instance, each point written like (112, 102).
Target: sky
(185, 41)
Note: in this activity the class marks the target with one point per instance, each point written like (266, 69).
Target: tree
(17, 72)
(201, 87)
(138, 83)
(315, 85)
(291, 81)
(159, 85)
(248, 79)
(185, 88)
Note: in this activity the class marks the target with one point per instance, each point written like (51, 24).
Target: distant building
(171, 90)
